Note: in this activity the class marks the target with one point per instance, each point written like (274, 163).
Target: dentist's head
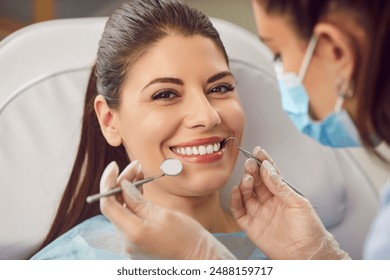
(334, 55)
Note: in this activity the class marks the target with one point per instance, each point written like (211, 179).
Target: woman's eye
(164, 95)
(222, 88)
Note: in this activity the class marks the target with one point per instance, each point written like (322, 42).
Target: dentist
(332, 58)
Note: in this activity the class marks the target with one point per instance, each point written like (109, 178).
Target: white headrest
(45, 69)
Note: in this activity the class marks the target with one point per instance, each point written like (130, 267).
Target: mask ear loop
(307, 58)
(339, 104)
(345, 89)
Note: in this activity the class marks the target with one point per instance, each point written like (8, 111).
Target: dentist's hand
(150, 231)
(279, 221)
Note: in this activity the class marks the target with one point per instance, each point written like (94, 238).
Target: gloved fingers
(140, 176)
(109, 205)
(252, 168)
(134, 199)
(246, 188)
(262, 155)
(273, 181)
(243, 195)
(108, 179)
(108, 182)
(236, 204)
(131, 172)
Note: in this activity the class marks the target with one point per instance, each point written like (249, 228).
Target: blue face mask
(336, 130)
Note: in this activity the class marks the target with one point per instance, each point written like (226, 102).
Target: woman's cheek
(235, 118)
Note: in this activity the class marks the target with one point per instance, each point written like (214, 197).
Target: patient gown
(97, 239)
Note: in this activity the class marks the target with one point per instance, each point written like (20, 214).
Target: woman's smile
(202, 150)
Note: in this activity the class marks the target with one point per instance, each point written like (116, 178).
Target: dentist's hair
(130, 31)
(371, 74)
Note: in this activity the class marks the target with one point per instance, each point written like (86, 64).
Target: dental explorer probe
(249, 155)
(169, 167)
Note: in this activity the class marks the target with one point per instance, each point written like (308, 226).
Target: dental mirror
(169, 167)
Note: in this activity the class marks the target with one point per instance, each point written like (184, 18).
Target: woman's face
(179, 101)
(320, 78)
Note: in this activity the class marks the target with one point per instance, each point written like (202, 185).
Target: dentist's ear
(107, 121)
(335, 46)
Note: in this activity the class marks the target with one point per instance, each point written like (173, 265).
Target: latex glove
(279, 221)
(151, 231)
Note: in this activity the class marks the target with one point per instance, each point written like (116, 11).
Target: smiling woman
(178, 96)
(162, 88)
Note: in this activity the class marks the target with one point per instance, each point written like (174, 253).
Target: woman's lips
(201, 150)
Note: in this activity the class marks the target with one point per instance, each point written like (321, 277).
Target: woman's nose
(201, 113)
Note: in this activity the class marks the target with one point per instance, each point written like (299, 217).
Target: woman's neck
(206, 210)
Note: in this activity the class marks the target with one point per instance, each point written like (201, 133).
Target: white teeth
(198, 150)
(188, 151)
(202, 150)
(209, 149)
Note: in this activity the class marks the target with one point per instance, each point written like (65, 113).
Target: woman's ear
(108, 121)
(335, 47)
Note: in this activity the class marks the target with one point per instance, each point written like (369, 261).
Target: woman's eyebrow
(177, 81)
(219, 76)
(165, 80)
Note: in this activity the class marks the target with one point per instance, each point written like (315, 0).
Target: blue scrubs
(97, 239)
(377, 245)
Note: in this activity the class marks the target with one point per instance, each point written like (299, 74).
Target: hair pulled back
(129, 32)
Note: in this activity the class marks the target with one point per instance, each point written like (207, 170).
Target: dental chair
(44, 69)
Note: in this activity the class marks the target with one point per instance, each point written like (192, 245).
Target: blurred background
(14, 14)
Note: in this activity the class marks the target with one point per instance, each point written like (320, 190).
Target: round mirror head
(171, 167)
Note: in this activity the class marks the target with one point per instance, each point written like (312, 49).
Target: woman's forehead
(178, 56)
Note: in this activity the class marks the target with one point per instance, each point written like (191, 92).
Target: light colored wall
(236, 11)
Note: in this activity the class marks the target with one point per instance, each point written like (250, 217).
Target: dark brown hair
(129, 33)
(371, 75)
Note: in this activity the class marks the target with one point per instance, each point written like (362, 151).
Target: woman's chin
(208, 187)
